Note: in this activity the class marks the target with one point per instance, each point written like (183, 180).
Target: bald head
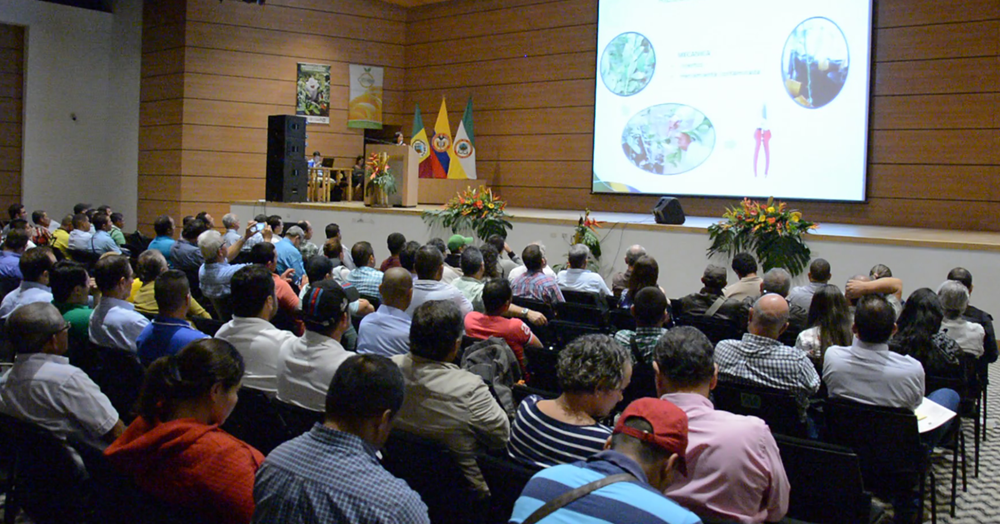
(397, 288)
(634, 253)
(769, 316)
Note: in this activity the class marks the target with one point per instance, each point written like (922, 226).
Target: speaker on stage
(287, 168)
(668, 211)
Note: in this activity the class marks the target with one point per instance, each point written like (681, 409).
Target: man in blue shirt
(10, 260)
(649, 443)
(184, 254)
(164, 227)
(232, 224)
(386, 332)
(332, 473)
(289, 256)
(35, 265)
(169, 332)
(102, 242)
(214, 275)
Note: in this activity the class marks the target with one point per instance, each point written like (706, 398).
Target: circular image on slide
(815, 62)
(668, 139)
(627, 64)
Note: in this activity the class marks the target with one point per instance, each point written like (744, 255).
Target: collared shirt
(308, 250)
(522, 269)
(332, 476)
(10, 265)
(185, 256)
(367, 280)
(747, 287)
(968, 335)
(47, 390)
(102, 243)
(734, 466)
(259, 342)
(645, 341)
(60, 240)
(428, 290)
(802, 296)
(117, 235)
(289, 257)
(449, 275)
(144, 299)
(305, 368)
(115, 323)
(163, 337)
(78, 316)
(450, 405)
(873, 375)
(214, 278)
(472, 289)
(538, 286)
(629, 502)
(385, 332)
(163, 245)
(231, 237)
(543, 441)
(79, 240)
(513, 331)
(585, 280)
(26, 293)
(762, 361)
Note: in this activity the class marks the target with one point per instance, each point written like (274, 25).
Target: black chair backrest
(566, 332)
(642, 385)
(580, 313)
(119, 375)
(541, 367)
(778, 408)
(521, 392)
(714, 328)
(208, 326)
(886, 440)
(255, 420)
(297, 420)
(620, 319)
(8, 284)
(86, 258)
(826, 480)
(584, 297)
(506, 478)
(534, 305)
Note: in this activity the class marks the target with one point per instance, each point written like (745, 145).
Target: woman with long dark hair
(175, 450)
(829, 323)
(918, 335)
(645, 273)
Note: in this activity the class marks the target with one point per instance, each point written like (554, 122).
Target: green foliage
(628, 63)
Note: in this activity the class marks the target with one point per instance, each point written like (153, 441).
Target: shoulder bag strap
(570, 496)
(714, 308)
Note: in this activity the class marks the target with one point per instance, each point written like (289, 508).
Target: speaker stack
(287, 168)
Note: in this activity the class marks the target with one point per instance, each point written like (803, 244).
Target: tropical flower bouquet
(381, 183)
(476, 210)
(586, 234)
(770, 230)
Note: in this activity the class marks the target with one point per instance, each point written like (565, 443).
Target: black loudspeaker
(668, 211)
(287, 168)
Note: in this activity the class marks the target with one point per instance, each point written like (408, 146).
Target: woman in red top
(175, 450)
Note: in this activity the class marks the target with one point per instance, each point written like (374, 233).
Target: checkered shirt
(538, 286)
(645, 341)
(762, 361)
(332, 476)
(367, 280)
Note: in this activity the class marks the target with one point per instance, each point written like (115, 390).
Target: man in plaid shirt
(365, 277)
(760, 360)
(534, 283)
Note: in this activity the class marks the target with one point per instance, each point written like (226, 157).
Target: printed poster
(313, 93)
(365, 107)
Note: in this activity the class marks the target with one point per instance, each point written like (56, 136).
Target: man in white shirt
(386, 332)
(115, 322)
(954, 298)
(45, 389)
(250, 331)
(522, 269)
(306, 365)
(578, 277)
(428, 286)
(79, 238)
(35, 265)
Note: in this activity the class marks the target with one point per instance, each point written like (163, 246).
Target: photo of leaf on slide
(627, 64)
(815, 62)
(668, 139)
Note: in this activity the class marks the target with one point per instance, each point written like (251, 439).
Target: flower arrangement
(381, 183)
(770, 230)
(586, 234)
(476, 210)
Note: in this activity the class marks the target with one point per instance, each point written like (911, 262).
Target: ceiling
(414, 3)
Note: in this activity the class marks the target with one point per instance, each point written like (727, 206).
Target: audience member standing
(35, 265)
(578, 277)
(386, 332)
(114, 322)
(170, 331)
(429, 287)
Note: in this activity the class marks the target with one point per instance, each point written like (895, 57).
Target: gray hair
(210, 242)
(777, 280)
(29, 327)
(229, 220)
(634, 253)
(295, 231)
(592, 363)
(578, 254)
(954, 298)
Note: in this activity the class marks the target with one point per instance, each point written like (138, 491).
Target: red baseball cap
(670, 426)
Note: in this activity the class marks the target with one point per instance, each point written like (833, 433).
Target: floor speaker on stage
(668, 211)
(287, 169)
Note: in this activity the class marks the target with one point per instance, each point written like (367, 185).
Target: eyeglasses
(65, 327)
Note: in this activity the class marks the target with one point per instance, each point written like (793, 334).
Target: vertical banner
(465, 145)
(365, 108)
(313, 93)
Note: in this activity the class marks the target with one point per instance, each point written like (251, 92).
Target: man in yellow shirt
(60, 237)
(151, 263)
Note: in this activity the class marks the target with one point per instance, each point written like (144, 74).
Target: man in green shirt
(471, 283)
(117, 223)
(70, 295)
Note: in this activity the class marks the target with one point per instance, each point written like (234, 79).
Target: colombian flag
(441, 143)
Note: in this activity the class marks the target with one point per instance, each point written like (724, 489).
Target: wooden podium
(404, 167)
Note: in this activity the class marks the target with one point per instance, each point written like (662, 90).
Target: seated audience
(748, 286)
(115, 322)
(491, 261)
(79, 237)
(170, 331)
(650, 312)
(331, 470)
(505, 264)
(387, 331)
(819, 275)
(471, 281)
(919, 335)
(648, 444)
(307, 248)
(117, 225)
(444, 402)
(207, 219)
(333, 231)
(456, 244)
(496, 299)
(879, 280)
(619, 281)
(175, 450)
(102, 242)
(779, 282)
(42, 221)
(71, 296)
(232, 224)
(522, 269)
(164, 228)
(258, 236)
(593, 371)
(711, 299)
(35, 266)
(578, 277)
(277, 227)
(289, 256)
(307, 364)
(829, 323)
(408, 257)
(734, 469)
(534, 283)
(954, 297)
(215, 274)
(365, 277)
(60, 237)
(185, 254)
(395, 243)
(289, 305)
(759, 359)
(150, 265)
(320, 269)
(449, 274)
(974, 314)
(14, 247)
(45, 389)
(645, 273)
(428, 286)
(250, 331)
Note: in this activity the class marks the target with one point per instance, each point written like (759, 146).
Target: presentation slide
(733, 98)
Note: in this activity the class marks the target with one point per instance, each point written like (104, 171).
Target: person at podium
(399, 139)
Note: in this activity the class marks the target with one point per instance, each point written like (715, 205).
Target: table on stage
(321, 180)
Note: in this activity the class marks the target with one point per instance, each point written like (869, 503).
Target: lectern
(404, 166)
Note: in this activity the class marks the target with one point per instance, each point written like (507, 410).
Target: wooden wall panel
(11, 112)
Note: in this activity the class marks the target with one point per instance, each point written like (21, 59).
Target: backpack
(494, 361)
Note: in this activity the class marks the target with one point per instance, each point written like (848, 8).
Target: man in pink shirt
(734, 467)
(496, 300)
